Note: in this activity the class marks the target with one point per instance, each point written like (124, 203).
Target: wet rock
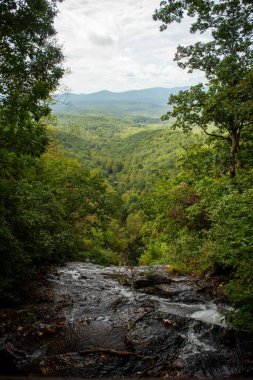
(157, 279)
(142, 283)
(9, 357)
(124, 322)
(151, 280)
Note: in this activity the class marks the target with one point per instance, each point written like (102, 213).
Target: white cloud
(116, 45)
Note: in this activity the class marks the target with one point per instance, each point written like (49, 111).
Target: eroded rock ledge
(91, 321)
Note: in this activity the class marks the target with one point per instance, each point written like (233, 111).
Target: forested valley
(129, 190)
(123, 187)
(168, 197)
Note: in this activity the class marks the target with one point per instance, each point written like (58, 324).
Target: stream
(91, 321)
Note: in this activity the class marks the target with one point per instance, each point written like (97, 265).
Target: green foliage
(33, 227)
(225, 107)
(44, 213)
(232, 233)
(30, 69)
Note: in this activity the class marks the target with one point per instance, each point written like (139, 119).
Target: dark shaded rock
(9, 357)
(157, 279)
(150, 280)
(90, 321)
(142, 283)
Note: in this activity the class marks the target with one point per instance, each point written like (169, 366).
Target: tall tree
(225, 107)
(30, 69)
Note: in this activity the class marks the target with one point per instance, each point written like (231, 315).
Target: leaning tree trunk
(235, 139)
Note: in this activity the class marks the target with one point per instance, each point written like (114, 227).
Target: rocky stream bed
(90, 321)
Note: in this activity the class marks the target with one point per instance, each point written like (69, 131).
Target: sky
(115, 45)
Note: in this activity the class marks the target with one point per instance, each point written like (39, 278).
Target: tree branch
(216, 136)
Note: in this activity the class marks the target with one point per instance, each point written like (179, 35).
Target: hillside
(150, 101)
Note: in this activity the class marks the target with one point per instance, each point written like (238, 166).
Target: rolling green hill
(151, 101)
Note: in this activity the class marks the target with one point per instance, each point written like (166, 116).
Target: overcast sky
(115, 45)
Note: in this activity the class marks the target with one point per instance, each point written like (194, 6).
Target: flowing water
(93, 321)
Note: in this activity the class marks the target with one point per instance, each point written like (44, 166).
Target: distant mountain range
(150, 100)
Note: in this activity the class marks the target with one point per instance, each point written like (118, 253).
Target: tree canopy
(32, 224)
(225, 106)
(30, 69)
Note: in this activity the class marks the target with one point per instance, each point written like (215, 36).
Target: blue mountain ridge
(155, 98)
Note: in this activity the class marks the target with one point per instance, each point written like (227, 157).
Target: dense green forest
(124, 187)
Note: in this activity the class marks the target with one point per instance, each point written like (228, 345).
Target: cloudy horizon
(116, 46)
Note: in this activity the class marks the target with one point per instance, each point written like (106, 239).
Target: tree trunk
(235, 139)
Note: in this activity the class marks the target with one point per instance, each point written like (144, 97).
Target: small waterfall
(121, 322)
